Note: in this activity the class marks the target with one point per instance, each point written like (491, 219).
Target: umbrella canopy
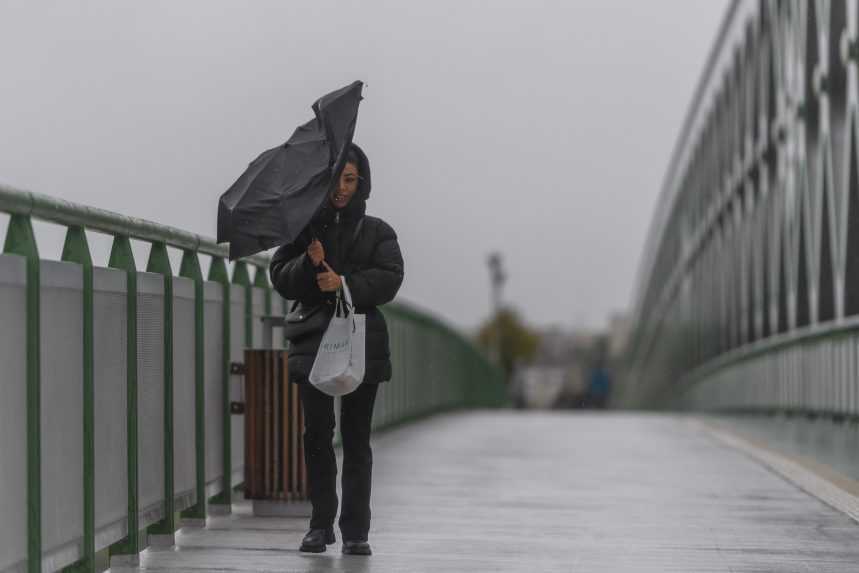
(282, 189)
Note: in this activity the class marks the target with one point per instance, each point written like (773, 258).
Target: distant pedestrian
(341, 241)
(598, 388)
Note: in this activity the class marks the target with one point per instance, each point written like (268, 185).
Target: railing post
(223, 501)
(20, 240)
(162, 533)
(242, 277)
(76, 250)
(122, 258)
(261, 281)
(190, 268)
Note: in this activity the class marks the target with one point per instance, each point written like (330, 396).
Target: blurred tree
(508, 333)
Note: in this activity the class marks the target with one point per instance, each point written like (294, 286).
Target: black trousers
(356, 413)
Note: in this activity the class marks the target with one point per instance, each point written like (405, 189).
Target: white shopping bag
(340, 361)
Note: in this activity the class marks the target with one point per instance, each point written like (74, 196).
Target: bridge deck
(541, 492)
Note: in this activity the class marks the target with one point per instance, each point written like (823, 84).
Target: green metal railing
(748, 292)
(20, 240)
(435, 367)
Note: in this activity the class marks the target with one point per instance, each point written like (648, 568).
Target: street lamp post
(497, 278)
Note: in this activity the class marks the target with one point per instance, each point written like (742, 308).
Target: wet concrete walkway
(546, 492)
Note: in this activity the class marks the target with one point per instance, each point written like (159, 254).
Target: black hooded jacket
(370, 261)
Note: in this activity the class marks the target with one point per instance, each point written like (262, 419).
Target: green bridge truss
(748, 294)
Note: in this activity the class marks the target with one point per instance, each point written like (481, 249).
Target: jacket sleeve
(379, 283)
(292, 273)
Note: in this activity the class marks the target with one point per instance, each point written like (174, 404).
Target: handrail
(54, 210)
(772, 344)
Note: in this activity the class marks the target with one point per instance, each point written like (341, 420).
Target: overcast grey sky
(540, 129)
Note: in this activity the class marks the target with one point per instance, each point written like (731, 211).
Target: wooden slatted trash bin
(275, 473)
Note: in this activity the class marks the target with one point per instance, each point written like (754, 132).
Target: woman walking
(341, 241)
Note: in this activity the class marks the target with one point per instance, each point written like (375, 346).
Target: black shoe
(316, 540)
(356, 548)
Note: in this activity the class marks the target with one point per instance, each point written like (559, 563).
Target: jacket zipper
(339, 240)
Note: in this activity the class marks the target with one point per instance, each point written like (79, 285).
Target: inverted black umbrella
(280, 191)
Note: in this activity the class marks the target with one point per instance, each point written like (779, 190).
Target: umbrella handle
(321, 267)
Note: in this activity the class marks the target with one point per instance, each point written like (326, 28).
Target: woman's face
(346, 187)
